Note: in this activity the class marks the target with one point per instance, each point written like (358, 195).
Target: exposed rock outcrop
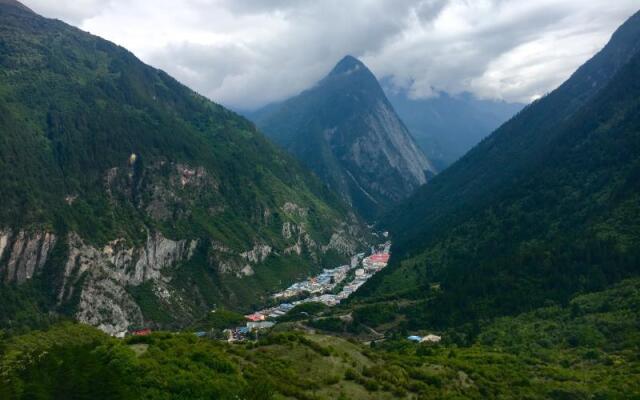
(294, 210)
(25, 254)
(102, 275)
(258, 254)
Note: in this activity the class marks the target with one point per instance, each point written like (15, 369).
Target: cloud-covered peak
(348, 65)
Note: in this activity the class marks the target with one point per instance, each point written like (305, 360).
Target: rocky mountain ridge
(347, 132)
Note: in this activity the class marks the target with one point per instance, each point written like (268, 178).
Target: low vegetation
(587, 349)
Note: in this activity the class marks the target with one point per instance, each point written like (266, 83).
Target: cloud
(245, 53)
(73, 12)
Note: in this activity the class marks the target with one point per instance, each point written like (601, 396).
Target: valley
(401, 229)
(329, 288)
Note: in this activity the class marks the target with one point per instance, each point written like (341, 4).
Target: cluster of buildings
(271, 312)
(325, 282)
(319, 288)
(425, 339)
(371, 265)
(242, 332)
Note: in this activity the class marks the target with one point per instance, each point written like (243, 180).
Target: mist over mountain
(447, 126)
(347, 132)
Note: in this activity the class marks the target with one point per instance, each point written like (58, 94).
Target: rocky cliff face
(345, 129)
(96, 277)
(96, 280)
(23, 254)
(99, 278)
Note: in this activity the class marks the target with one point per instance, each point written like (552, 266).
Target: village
(329, 288)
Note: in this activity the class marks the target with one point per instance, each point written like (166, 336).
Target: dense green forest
(73, 106)
(587, 349)
(546, 207)
(95, 143)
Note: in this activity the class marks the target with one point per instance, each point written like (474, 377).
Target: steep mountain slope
(346, 131)
(547, 206)
(128, 199)
(446, 126)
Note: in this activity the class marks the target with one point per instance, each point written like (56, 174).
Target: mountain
(447, 126)
(545, 207)
(129, 200)
(347, 132)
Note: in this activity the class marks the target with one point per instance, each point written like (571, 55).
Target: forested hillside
(545, 207)
(129, 199)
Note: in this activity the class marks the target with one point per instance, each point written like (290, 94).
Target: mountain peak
(348, 65)
(347, 132)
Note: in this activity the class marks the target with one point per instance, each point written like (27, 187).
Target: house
(141, 332)
(251, 326)
(381, 258)
(431, 339)
(255, 317)
(236, 334)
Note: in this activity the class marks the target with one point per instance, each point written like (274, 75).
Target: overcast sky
(245, 53)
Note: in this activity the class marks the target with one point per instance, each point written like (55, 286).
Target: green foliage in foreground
(219, 319)
(588, 349)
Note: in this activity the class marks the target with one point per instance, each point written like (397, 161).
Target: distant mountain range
(347, 132)
(129, 200)
(447, 126)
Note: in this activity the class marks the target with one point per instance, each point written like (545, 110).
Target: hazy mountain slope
(546, 206)
(126, 197)
(347, 132)
(446, 126)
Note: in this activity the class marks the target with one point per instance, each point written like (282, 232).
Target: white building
(431, 339)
